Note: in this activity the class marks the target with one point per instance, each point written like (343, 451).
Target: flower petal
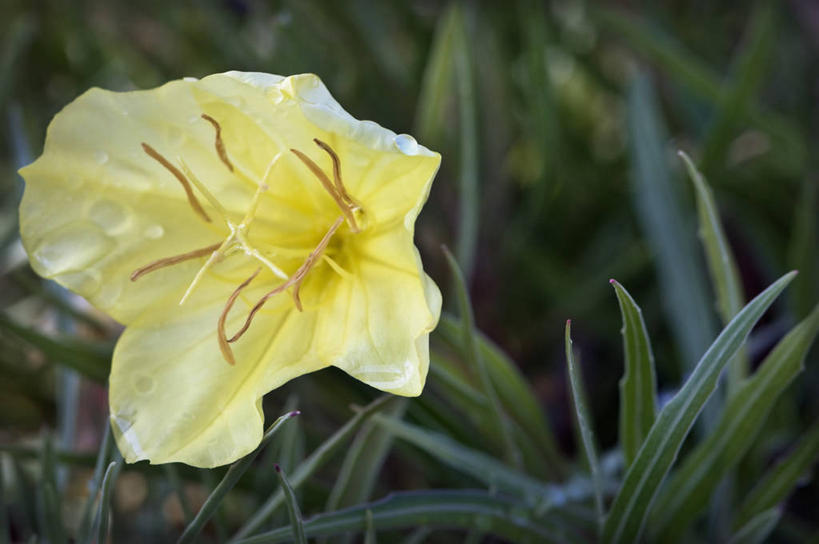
(174, 398)
(388, 309)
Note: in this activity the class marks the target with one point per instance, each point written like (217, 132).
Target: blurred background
(559, 123)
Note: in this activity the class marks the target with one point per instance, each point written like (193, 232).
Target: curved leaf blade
(659, 451)
(638, 387)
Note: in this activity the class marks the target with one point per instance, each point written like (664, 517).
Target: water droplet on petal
(109, 215)
(85, 282)
(190, 79)
(144, 384)
(74, 246)
(406, 144)
(154, 232)
(101, 157)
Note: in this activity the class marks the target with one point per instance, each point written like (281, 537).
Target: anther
(336, 173)
(328, 185)
(224, 347)
(168, 261)
(295, 280)
(220, 145)
(154, 154)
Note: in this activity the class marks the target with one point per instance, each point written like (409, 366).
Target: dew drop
(190, 79)
(85, 282)
(154, 232)
(74, 246)
(109, 215)
(144, 384)
(101, 157)
(406, 144)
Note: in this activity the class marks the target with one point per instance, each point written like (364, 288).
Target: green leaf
(758, 528)
(359, 471)
(175, 482)
(780, 481)
(445, 508)
(51, 521)
(690, 488)
(721, 265)
(584, 422)
(513, 391)
(296, 523)
(638, 387)
(484, 468)
(660, 448)
(436, 87)
(90, 360)
(369, 533)
(468, 180)
(750, 67)
(101, 520)
(230, 479)
(316, 460)
(470, 346)
(802, 254)
(665, 225)
(5, 527)
(84, 529)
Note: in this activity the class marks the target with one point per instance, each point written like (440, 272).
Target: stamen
(224, 347)
(295, 280)
(154, 154)
(219, 252)
(204, 190)
(336, 173)
(329, 187)
(168, 261)
(220, 145)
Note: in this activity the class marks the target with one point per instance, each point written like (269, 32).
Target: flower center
(237, 239)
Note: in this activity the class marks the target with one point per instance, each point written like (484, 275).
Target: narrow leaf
(583, 419)
(511, 452)
(363, 462)
(108, 481)
(514, 391)
(369, 533)
(484, 468)
(443, 508)
(690, 488)
(296, 523)
(638, 387)
(310, 465)
(436, 86)
(665, 225)
(659, 451)
(230, 479)
(780, 481)
(94, 486)
(758, 528)
(721, 265)
(5, 527)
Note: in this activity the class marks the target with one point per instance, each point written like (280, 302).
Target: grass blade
(296, 523)
(665, 226)
(584, 422)
(101, 520)
(749, 71)
(444, 508)
(310, 465)
(359, 471)
(436, 87)
(51, 522)
(369, 534)
(94, 486)
(230, 479)
(631, 504)
(484, 468)
(638, 387)
(90, 360)
(513, 391)
(744, 416)
(758, 528)
(5, 527)
(802, 247)
(470, 345)
(780, 481)
(721, 265)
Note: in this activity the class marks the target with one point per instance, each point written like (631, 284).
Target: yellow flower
(247, 230)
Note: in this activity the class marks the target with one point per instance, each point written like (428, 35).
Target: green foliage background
(559, 124)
